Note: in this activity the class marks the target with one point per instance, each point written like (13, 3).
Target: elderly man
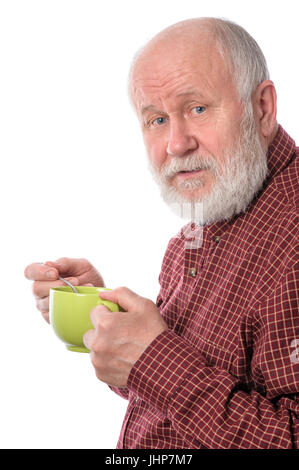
(213, 364)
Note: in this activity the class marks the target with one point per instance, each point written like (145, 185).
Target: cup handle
(110, 305)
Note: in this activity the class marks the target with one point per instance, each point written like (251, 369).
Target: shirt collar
(280, 152)
(279, 155)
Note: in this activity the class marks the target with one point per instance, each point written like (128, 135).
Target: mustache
(190, 163)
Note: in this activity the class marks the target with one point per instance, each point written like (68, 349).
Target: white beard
(243, 173)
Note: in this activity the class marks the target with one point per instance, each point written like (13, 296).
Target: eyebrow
(191, 91)
(150, 107)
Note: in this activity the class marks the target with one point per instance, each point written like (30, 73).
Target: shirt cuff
(163, 368)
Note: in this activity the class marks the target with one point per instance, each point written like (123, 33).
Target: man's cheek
(156, 151)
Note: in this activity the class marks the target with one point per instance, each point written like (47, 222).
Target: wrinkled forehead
(177, 61)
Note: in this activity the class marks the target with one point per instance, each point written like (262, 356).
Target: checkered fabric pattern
(226, 374)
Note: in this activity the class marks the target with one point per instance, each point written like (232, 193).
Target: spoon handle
(69, 284)
(66, 282)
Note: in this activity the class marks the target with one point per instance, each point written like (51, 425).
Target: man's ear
(264, 102)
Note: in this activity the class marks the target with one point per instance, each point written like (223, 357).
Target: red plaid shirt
(226, 372)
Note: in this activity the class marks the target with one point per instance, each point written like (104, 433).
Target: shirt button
(216, 239)
(193, 272)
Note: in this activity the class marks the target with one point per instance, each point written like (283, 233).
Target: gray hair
(241, 52)
(245, 59)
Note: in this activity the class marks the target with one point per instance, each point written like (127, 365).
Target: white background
(74, 182)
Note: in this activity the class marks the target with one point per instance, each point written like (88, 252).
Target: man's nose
(181, 140)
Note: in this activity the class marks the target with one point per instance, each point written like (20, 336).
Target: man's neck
(271, 137)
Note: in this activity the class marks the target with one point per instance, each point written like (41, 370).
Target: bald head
(241, 55)
(183, 41)
(183, 34)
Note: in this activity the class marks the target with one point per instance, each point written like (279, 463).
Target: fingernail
(51, 275)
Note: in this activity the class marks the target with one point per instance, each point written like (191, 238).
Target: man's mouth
(190, 172)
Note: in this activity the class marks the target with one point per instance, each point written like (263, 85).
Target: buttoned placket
(196, 257)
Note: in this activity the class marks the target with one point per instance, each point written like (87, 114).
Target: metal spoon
(67, 282)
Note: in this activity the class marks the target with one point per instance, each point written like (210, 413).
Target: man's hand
(78, 272)
(119, 338)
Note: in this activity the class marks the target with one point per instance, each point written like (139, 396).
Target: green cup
(69, 313)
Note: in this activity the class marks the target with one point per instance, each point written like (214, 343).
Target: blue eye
(199, 109)
(159, 121)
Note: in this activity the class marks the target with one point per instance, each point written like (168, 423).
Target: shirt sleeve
(122, 392)
(211, 407)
